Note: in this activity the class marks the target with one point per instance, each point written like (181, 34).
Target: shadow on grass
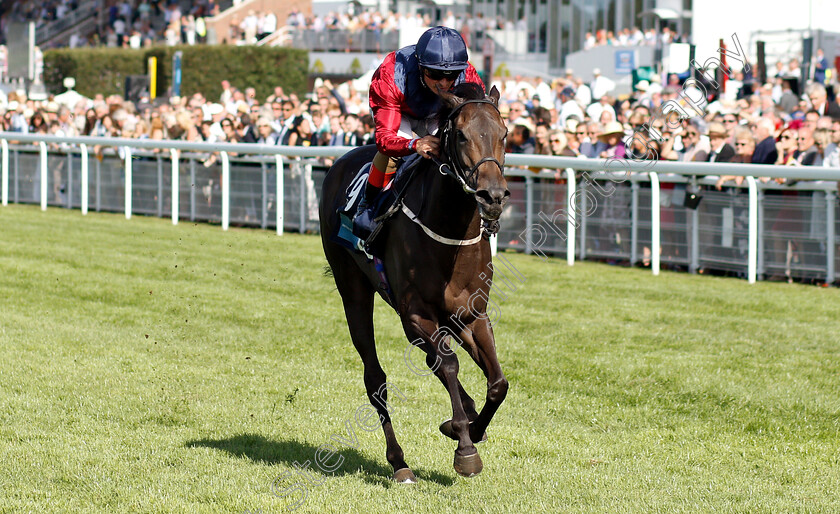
(265, 451)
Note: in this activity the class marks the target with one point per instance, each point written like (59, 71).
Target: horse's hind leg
(357, 296)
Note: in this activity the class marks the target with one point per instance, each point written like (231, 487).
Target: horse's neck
(446, 208)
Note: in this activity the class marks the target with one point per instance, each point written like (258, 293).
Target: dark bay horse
(438, 266)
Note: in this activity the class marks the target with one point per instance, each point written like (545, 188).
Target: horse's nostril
(494, 196)
(484, 196)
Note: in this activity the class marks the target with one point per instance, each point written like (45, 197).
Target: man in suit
(721, 151)
(765, 150)
(808, 154)
(337, 137)
(820, 102)
(352, 130)
(283, 121)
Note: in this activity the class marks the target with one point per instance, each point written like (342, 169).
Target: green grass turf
(152, 368)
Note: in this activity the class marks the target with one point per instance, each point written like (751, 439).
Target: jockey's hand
(427, 146)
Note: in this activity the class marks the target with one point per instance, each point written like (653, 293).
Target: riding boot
(369, 195)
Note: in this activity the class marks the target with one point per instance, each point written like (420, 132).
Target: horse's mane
(465, 90)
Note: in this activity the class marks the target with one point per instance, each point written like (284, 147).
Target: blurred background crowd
(759, 123)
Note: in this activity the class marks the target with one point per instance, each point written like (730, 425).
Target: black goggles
(441, 74)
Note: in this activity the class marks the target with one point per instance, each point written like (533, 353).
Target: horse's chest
(469, 301)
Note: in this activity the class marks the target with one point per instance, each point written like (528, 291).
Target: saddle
(359, 234)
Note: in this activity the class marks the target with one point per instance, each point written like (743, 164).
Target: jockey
(404, 99)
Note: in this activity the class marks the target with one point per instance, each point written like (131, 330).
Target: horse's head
(473, 139)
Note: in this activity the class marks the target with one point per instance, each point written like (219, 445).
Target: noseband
(454, 165)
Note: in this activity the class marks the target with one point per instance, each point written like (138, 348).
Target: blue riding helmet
(441, 48)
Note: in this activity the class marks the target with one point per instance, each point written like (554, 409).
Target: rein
(463, 174)
(449, 140)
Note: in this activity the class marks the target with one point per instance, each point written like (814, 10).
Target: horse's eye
(460, 135)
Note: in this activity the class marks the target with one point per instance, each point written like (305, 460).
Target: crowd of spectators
(139, 23)
(743, 122)
(632, 37)
(127, 23)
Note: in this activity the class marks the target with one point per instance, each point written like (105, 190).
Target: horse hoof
(468, 465)
(446, 429)
(404, 476)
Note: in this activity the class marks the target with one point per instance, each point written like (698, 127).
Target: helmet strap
(423, 78)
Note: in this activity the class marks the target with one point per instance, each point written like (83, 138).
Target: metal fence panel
(797, 225)
(27, 177)
(144, 180)
(723, 230)
(110, 182)
(57, 176)
(207, 182)
(550, 209)
(608, 222)
(794, 235)
(246, 193)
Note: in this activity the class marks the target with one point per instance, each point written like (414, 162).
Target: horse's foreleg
(433, 363)
(467, 462)
(497, 384)
(466, 341)
(357, 296)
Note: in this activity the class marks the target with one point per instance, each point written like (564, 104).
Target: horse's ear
(494, 95)
(450, 100)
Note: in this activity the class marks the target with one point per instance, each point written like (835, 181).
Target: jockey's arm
(386, 102)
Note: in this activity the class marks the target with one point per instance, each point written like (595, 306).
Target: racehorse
(437, 264)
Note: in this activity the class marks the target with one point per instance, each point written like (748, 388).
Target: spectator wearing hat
(572, 146)
(721, 151)
(597, 109)
(215, 113)
(601, 85)
(612, 136)
(265, 134)
(543, 92)
(583, 95)
(568, 106)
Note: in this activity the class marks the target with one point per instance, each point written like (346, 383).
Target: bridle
(454, 165)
